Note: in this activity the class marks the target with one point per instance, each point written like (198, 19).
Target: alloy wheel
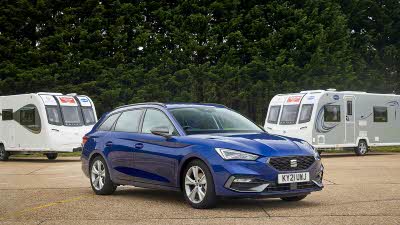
(195, 184)
(98, 175)
(362, 147)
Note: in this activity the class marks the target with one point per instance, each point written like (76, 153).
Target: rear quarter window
(108, 123)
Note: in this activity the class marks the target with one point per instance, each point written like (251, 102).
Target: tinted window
(380, 114)
(349, 108)
(129, 121)
(289, 114)
(109, 122)
(273, 114)
(53, 115)
(156, 118)
(27, 116)
(306, 112)
(196, 120)
(332, 113)
(7, 114)
(71, 115)
(88, 115)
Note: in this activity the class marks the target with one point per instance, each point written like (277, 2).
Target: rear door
(120, 145)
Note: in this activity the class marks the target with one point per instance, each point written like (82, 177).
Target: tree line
(239, 53)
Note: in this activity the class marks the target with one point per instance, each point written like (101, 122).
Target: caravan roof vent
(49, 93)
(331, 89)
(72, 94)
(308, 91)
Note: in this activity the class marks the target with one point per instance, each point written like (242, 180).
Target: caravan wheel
(362, 148)
(52, 156)
(3, 154)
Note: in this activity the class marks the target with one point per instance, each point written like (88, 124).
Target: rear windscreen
(71, 115)
(273, 114)
(289, 114)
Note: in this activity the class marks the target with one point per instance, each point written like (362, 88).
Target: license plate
(293, 178)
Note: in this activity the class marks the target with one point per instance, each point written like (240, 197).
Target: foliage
(237, 53)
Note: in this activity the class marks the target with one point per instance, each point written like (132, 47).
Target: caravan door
(349, 102)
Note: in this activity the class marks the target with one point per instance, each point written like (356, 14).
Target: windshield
(203, 120)
(289, 114)
(71, 116)
(88, 115)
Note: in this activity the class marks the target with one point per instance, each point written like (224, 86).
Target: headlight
(316, 154)
(229, 154)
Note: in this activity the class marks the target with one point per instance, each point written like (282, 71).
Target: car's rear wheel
(51, 156)
(198, 185)
(100, 177)
(362, 148)
(294, 198)
(3, 154)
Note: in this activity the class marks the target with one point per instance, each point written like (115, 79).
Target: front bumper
(260, 179)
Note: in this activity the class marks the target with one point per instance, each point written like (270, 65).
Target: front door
(349, 102)
(156, 157)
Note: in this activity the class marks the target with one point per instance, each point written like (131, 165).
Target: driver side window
(156, 118)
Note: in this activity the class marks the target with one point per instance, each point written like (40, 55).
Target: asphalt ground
(358, 190)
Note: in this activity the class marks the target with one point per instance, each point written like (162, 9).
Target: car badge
(293, 163)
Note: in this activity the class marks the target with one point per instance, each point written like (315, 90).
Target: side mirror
(161, 131)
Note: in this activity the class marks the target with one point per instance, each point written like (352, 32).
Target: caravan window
(27, 116)
(88, 115)
(289, 114)
(7, 114)
(380, 114)
(306, 112)
(332, 113)
(274, 114)
(53, 115)
(71, 115)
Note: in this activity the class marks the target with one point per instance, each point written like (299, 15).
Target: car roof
(173, 105)
(186, 105)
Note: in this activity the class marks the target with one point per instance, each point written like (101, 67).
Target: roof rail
(143, 103)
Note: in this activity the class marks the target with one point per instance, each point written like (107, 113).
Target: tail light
(84, 140)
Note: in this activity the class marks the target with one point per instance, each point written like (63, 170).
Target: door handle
(109, 144)
(139, 146)
(301, 128)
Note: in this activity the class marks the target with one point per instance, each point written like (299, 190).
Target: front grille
(288, 164)
(289, 187)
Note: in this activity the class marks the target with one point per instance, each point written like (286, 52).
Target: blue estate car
(204, 150)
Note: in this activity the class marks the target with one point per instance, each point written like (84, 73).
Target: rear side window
(289, 114)
(273, 114)
(7, 114)
(88, 115)
(332, 113)
(129, 121)
(380, 114)
(306, 112)
(109, 122)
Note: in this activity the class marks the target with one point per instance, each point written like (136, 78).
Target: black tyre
(52, 156)
(3, 154)
(198, 185)
(100, 179)
(362, 148)
(294, 198)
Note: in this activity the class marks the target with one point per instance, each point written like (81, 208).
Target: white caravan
(336, 119)
(44, 122)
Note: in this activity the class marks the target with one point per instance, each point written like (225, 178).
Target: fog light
(243, 180)
(246, 184)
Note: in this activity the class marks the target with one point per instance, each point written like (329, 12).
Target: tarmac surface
(358, 190)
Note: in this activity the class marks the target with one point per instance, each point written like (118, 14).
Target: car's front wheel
(294, 198)
(100, 177)
(198, 183)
